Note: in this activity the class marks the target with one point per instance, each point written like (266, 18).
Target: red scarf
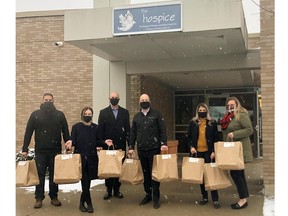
(226, 120)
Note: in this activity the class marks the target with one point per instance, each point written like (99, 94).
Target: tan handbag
(192, 170)
(110, 163)
(165, 168)
(131, 172)
(26, 173)
(229, 155)
(215, 178)
(67, 168)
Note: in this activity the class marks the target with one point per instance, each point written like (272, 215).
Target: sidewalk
(177, 198)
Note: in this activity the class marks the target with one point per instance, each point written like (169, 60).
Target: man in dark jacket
(49, 124)
(114, 129)
(149, 131)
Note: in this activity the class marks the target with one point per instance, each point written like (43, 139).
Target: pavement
(177, 198)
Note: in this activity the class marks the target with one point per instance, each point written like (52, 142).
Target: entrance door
(217, 109)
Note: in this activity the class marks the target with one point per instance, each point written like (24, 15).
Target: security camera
(59, 43)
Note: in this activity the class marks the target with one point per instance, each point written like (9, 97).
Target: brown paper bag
(131, 172)
(192, 170)
(215, 178)
(67, 168)
(229, 155)
(165, 168)
(26, 173)
(110, 163)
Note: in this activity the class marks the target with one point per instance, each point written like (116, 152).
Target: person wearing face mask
(86, 142)
(202, 134)
(236, 126)
(114, 130)
(149, 131)
(47, 124)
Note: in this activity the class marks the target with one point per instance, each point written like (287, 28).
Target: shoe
(203, 201)
(118, 195)
(82, 207)
(55, 202)
(107, 196)
(216, 204)
(38, 203)
(156, 205)
(90, 209)
(146, 200)
(237, 206)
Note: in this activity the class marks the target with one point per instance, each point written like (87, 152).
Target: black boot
(82, 204)
(89, 204)
(90, 208)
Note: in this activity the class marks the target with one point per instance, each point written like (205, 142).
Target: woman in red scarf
(236, 126)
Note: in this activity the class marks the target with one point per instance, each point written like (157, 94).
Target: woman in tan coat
(236, 126)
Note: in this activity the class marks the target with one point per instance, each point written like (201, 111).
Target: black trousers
(151, 187)
(44, 161)
(85, 184)
(214, 193)
(112, 183)
(239, 179)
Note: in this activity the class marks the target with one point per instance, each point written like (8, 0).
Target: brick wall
(161, 98)
(254, 41)
(42, 67)
(267, 92)
(135, 92)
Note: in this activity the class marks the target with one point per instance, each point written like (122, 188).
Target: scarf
(226, 120)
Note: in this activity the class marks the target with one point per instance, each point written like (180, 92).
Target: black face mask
(145, 104)
(48, 106)
(202, 114)
(87, 118)
(114, 101)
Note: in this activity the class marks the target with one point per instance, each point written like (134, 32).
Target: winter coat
(149, 131)
(211, 134)
(48, 127)
(242, 130)
(85, 139)
(117, 130)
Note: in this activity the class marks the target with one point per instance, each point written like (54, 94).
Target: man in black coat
(48, 124)
(114, 129)
(149, 132)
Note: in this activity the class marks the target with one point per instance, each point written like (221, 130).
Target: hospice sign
(148, 19)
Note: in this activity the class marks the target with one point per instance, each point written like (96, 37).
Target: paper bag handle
(112, 147)
(193, 155)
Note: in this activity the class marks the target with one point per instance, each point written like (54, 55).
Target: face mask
(114, 101)
(202, 114)
(87, 118)
(145, 104)
(47, 106)
(230, 109)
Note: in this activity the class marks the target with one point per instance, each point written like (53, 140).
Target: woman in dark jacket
(202, 134)
(86, 142)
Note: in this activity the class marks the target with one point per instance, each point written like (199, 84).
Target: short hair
(84, 110)
(49, 94)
